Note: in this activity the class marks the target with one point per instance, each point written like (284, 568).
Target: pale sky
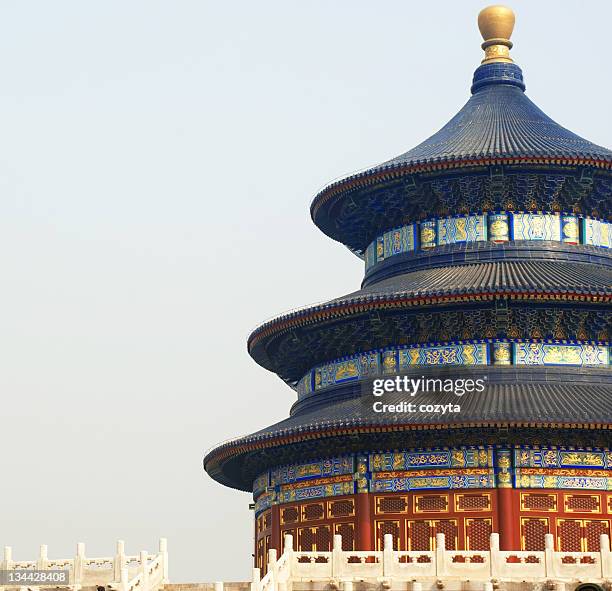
(157, 162)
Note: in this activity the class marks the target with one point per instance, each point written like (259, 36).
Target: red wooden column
(364, 522)
(508, 525)
(507, 515)
(275, 529)
(364, 540)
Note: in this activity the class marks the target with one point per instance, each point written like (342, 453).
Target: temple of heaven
(487, 258)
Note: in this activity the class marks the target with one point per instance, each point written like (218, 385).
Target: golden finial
(496, 23)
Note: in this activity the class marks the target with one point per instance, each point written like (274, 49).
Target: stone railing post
(347, 586)
(440, 555)
(336, 565)
(288, 549)
(255, 579)
(124, 579)
(79, 565)
(43, 558)
(288, 543)
(388, 555)
(487, 586)
(549, 555)
(495, 557)
(7, 562)
(119, 562)
(606, 559)
(218, 586)
(163, 550)
(416, 586)
(144, 570)
(273, 566)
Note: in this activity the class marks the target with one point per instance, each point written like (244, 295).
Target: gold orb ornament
(496, 24)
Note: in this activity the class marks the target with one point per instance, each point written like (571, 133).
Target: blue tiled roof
(520, 397)
(498, 132)
(499, 121)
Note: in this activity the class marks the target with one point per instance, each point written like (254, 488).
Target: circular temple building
(487, 255)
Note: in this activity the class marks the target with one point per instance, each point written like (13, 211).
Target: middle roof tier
(509, 299)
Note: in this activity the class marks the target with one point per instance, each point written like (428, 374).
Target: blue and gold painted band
(492, 227)
(392, 360)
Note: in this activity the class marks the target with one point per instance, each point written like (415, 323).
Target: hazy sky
(157, 161)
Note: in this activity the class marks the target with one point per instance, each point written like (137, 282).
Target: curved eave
(351, 427)
(340, 419)
(236, 450)
(396, 171)
(348, 308)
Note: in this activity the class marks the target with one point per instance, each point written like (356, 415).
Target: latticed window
(290, 515)
(478, 533)
(312, 512)
(387, 527)
(394, 504)
(260, 551)
(581, 535)
(265, 557)
(592, 530)
(267, 519)
(347, 531)
(344, 508)
(324, 538)
(419, 535)
(315, 539)
(449, 528)
(430, 503)
(307, 539)
(473, 502)
(569, 533)
(582, 503)
(534, 530)
(538, 502)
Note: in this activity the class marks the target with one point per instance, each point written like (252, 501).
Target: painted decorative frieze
(394, 360)
(562, 458)
(596, 232)
(317, 489)
(317, 469)
(448, 458)
(432, 479)
(264, 501)
(436, 469)
(499, 227)
(261, 483)
(560, 354)
(536, 226)
(469, 228)
(461, 354)
(562, 479)
(428, 234)
(502, 353)
(399, 240)
(493, 227)
(570, 229)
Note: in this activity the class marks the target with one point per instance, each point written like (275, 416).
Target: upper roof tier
(499, 120)
(500, 131)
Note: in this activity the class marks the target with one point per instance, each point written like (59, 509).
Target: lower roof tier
(515, 299)
(514, 400)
